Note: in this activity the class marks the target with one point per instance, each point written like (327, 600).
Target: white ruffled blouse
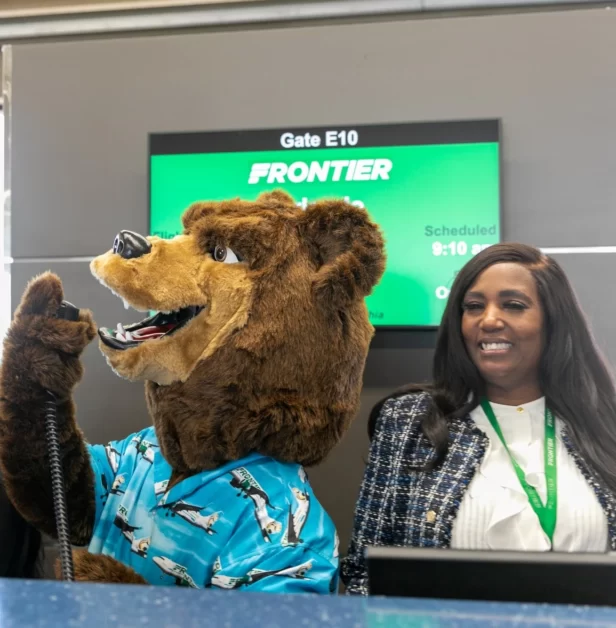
(495, 513)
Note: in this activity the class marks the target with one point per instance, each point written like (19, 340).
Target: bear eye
(224, 254)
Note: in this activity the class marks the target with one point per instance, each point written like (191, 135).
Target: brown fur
(273, 363)
(42, 353)
(100, 568)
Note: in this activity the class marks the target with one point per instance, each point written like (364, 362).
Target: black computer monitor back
(542, 577)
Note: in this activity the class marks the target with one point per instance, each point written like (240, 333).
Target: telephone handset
(68, 312)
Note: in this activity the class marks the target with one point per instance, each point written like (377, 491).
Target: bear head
(260, 332)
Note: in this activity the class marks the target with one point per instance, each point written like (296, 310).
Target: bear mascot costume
(253, 365)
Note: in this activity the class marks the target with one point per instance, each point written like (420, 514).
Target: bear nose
(129, 245)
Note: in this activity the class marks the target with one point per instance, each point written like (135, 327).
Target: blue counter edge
(50, 603)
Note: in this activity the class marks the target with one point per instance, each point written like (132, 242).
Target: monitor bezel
(536, 566)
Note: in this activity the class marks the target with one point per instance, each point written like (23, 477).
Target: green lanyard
(546, 513)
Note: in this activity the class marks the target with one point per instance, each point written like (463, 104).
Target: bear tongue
(148, 333)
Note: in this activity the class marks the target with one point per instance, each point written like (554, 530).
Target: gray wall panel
(401, 366)
(83, 110)
(591, 277)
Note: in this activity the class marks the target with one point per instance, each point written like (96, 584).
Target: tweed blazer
(399, 506)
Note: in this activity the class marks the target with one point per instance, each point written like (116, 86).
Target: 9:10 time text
(459, 247)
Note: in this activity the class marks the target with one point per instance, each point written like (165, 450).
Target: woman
(462, 463)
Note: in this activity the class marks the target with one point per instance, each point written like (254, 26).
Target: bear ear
(347, 248)
(276, 198)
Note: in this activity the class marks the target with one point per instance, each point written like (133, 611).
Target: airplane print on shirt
(145, 448)
(245, 482)
(192, 514)
(105, 493)
(297, 520)
(173, 569)
(113, 457)
(138, 546)
(254, 575)
(161, 487)
(117, 484)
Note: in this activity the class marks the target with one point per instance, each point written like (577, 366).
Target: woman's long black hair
(574, 377)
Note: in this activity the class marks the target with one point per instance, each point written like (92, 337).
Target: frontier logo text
(334, 170)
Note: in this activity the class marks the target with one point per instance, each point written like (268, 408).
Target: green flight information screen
(434, 188)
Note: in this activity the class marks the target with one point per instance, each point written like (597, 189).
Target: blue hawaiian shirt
(251, 524)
